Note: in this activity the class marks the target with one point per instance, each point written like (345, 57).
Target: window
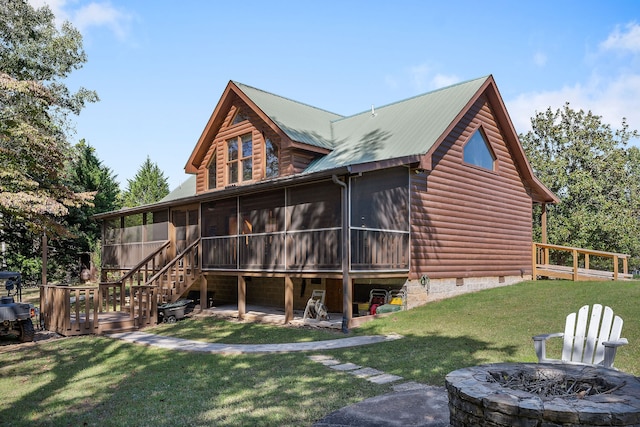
(271, 169)
(477, 151)
(240, 159)
(239, 117)
(212, 176)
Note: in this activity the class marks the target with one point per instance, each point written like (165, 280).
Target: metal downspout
(346, 280)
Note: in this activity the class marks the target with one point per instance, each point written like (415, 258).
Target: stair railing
(178, 275)
(113, 293)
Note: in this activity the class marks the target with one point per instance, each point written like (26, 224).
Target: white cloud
(86, 16)
(102, 14)
(613, 98)
(612, 91)
(627, 39)
(423, 78)
(442, 80)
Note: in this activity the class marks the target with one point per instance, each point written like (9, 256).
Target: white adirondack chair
(596, 345)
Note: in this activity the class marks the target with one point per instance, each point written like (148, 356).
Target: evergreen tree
(148, 186)
(85, 173)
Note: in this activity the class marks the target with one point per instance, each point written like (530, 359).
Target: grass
(100, 381)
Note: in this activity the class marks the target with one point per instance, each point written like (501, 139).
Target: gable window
(240, 159)
(272, 169)
(240, 117)
(477, 151)
(212, 178)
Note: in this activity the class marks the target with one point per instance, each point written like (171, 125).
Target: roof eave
(230, 191)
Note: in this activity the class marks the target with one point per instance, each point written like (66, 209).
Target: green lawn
(100, 381)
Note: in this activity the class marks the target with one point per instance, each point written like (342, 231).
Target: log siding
(468, 221)
(291, 160)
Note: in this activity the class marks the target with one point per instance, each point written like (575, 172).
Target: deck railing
(114, 293)
(565, 262)
(70, 310)
(379, 249)
(307, 250)
(144, 306)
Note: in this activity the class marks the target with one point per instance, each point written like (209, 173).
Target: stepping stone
(345, 367)
(410, 386)
(366, 372)
(320, 357)
(325, 360)
(384, 379)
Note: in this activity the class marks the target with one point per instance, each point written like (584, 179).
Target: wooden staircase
(127, 303)
(177, 276)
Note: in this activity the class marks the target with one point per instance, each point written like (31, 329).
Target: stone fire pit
(543, 395)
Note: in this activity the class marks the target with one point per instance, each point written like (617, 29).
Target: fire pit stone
(487, 395)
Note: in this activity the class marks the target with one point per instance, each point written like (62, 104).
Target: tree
(148, 186)
(85, 173)
(34, 108)
(595, 175)
(35, 105)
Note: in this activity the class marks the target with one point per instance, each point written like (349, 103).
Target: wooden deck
(581, 263)
(85, 310)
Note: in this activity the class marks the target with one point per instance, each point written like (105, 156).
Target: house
(432, 195)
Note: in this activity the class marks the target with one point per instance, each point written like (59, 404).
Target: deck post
(45, 250)
(242, 297)
(288, 299)
(543, 223)
(203, 292)
(534, 258)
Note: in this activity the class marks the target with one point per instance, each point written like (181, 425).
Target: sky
(160, 67)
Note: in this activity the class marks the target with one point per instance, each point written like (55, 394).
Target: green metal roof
(301, 122)
(401, 129)
(186, 189)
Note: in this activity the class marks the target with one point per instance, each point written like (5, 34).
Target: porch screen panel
(380, 200)
(314, 227)
(262, 226)
(314, 206)
(193, 230)
(157, 226)
(219, 230)
(131, 249)
(111, 244)
(380, 220)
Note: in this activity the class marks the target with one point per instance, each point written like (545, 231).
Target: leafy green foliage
(34, 106)
(36, 195)
(148, 186)
(596, 176)
(85, 173)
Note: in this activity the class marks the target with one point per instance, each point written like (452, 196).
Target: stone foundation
(437, 289)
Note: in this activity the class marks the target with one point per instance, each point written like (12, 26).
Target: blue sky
(160, 67)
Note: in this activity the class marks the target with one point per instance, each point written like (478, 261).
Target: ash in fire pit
(528, 394)
(553, 383)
